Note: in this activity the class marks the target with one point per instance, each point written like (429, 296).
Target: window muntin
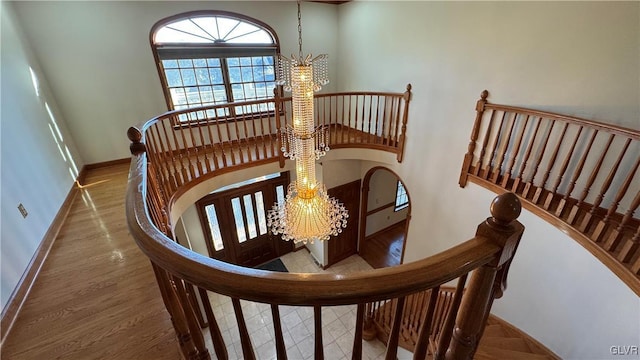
(402, 199)
(215, 58)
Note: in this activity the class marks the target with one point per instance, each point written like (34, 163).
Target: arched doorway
(384, 218)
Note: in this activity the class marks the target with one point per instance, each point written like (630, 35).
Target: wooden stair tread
(494, 330)
(503, 354)
(511, 343)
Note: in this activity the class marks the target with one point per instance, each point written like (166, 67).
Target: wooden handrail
(166, 159)
(575, 173)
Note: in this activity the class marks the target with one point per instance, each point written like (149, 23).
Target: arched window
(214, 57)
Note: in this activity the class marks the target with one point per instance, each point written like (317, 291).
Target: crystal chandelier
(308, 213)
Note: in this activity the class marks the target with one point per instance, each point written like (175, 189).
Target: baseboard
(107, 163)
(22, 289)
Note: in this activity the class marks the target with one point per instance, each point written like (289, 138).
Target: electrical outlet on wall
(23, 211)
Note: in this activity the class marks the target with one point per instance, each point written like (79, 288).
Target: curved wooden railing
(580, 175)
(172, 153)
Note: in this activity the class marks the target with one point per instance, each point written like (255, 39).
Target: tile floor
(338, 322)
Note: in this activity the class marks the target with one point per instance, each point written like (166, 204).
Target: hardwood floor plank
(96, 295)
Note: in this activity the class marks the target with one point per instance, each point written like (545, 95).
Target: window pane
(251, 221)
(219, 94)
(262, 221)
(185, 63)
(213, 62)
(188, 77)
(193, 96)
(214, 227)
(216, 76)
(173, 78)
(234, 75)
(206, 93)
(199, 62)
(280, 194)
(233, 62)
(247, 74)
(167, 64)
(202, 76)
(178, 97)
(237, 215)
(245, 61)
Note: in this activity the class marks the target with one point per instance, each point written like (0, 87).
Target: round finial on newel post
(135, 136)
(505, 208)
(484, 94)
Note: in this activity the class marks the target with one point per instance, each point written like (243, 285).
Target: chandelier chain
(299, 32)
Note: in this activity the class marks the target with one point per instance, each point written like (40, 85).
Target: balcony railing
(580, 175)
(170, 155)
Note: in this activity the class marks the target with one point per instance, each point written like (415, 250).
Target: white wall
(33, 170)
(575, 58)
(101, 68)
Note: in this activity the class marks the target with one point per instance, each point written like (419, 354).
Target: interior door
(346, 243)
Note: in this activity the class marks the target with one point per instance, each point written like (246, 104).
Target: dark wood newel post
(489, 280)
(137, 147)
(405, 116)
(468, 157)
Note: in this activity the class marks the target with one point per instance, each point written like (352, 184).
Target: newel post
(488, 281)
(137, 147)
(405, 116)
(468, 157)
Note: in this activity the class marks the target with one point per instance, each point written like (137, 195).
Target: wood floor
(96, 295)
(384, 249)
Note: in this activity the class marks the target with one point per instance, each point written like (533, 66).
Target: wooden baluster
(369, 329)
(281, 349)
(384, 119)
(247, 138)
(255, 111)
(523, 166)
(503, 151)
(503, 230)
(212, 143)
(245, 341)
(586, 221)
(604, 223)
(396, 121)
(446, 331)
(264, 115)
(587, 187)
(537, 161)
(376, 137)
(485, 142)
(178, 319)
(471, 148)
(279, 126)
(550, 165)
(405, 117)
(392, 344)
(186, 148)
(576, 175)
(507, 175)
(356, 352)
(157, 156)
(207, 163)
(175, 171)
(196, 150)
(635, 268)
(214, 330)
(616, 236)
(370, 121)
(563, 170)
(317, 327)
(190, 316)
(229, 142)
(422, 346)
(488, 169)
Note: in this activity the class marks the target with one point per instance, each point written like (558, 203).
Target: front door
(235, 223)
